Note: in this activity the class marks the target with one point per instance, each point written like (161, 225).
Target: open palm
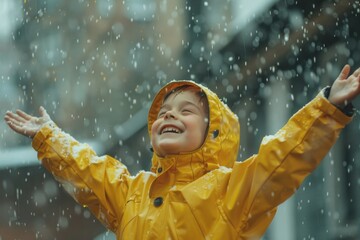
(345, 88)
(26, 124)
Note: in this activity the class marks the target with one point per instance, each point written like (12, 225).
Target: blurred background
(96, 65)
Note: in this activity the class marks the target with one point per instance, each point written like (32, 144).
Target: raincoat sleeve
(100, 183)
(258, 185)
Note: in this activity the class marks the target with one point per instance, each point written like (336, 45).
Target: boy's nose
(169, 114)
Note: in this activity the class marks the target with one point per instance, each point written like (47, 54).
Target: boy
(196, 189)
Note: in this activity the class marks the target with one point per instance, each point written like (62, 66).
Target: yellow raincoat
(204, 194)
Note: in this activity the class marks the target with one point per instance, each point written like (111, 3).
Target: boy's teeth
(170, 129)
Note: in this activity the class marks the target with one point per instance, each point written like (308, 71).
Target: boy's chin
(166, 149)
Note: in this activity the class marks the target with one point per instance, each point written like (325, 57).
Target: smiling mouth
(170, 130)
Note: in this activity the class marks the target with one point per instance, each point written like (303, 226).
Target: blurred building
(97, 65)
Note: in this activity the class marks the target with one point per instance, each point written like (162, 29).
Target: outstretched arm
(345, 88)
(258, 185)
(101, 183)
(26, 124)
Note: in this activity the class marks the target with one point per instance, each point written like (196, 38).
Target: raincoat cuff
(327, 107)
(349, 109)
(41, 135)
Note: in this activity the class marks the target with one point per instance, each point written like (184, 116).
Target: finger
(20, 128)
(7, 114)
(7, 119)
(357, 72)
(43, 112)
(344, 72)
(17, 127)
(15, 117)
(24, 114)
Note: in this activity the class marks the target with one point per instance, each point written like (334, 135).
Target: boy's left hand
(345, 88)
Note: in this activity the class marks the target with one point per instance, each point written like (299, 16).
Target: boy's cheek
(154, 129)
(153, 140)
(153, 136)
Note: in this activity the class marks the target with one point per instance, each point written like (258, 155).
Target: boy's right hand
(26, 124)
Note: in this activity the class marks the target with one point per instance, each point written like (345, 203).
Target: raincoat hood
(222, 141)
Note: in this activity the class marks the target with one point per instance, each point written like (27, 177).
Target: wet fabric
(204, 194)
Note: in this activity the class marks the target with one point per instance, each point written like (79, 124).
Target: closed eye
(188, 111)
(189, 107)
(162, 111)
(161, 114)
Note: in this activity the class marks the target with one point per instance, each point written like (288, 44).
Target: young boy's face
(181, 124)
